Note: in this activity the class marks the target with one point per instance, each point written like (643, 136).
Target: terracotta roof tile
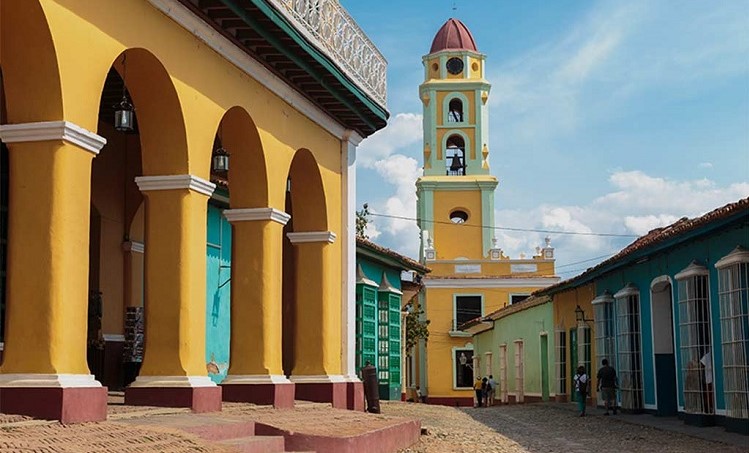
(406, 261)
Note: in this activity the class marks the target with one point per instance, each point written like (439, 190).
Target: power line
(525, 230)
(585, 261)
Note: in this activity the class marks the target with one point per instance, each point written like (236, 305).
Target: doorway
(544, 367)
(663, 346)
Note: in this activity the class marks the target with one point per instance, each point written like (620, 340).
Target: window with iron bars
(695, 339)
(733, 294)
(629, 347)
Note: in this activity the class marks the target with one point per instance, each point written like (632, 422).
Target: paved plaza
(556, 428)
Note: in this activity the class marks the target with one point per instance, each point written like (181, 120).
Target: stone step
(256, 444)
(204, 426)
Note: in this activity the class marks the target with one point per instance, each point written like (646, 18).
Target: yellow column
(48, 224)
(175, 281)
(256, 275)
(318, 335)
(45, 373)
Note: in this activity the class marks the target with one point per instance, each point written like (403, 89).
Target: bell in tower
(455, 153)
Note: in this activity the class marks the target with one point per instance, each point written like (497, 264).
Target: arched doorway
(663, 345)
(115, 345)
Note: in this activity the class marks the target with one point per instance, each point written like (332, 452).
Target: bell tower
(456, 191)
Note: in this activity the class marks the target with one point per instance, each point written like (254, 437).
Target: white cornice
(134, 247)
(172, 182)
(693, 270)
(52, 130)
(605, 298)
(628, 290)
(352, 137)
(538, 282)
(738, 255)
(251, 214)
(173, 381)
(236, 56)
(312, 236)
(48, 380)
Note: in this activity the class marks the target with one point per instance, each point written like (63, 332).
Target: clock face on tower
(455, 65)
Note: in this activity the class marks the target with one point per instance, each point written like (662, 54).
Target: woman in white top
(581, 387)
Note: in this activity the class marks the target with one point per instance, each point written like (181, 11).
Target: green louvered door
(394, 334)
(366, 326)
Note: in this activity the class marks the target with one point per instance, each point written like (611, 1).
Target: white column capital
(312, 236)
(172, 182)
(317, 379)
(52, 130)
(249, 379)
(352, 137)
(252, 214)
(134, 247)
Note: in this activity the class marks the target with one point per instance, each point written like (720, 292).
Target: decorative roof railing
(337, 34)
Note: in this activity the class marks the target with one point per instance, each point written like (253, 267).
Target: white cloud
(403, 130)
(636, 204)
(706, 165)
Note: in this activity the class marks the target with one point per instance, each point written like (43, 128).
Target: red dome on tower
(454, 35)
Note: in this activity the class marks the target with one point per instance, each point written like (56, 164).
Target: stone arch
(29, 64)
(238, 134)
(309, 206)
(158, 110)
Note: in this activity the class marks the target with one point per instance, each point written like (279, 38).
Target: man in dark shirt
(607, 385)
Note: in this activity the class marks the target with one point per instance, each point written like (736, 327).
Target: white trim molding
(738, 255)
(251, 214)
(173, 381)
(236, 56)
(172, 182)
(52, 130)
(250, 379)
(134, 247)
(542, 282)
(48, 380)
(311, 236)
(318, 379)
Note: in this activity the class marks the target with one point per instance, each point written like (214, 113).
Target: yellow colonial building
(471, 276)
(118, 120)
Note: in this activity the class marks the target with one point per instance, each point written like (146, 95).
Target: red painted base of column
(281, 396)
(199, 399)
(68, 405)
(355, 396)
(324, 392)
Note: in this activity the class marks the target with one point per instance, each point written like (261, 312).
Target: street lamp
(580, 315)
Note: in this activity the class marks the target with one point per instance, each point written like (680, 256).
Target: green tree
(416, 328)
(362, 219)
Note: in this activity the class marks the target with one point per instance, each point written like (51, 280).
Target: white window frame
(694, 400)
(629, 392)
(455, 308)
(466, 347)
(604, 331)
(733, 271)
(560, 366)
(446, 110)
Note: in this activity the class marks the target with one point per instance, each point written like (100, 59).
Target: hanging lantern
(123, 115)
(220, 159)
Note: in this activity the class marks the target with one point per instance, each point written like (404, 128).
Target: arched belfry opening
(455, 162)
(455, 111)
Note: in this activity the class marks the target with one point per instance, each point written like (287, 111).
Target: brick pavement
(544, 428)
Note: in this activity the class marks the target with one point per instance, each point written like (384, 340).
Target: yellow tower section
(471, 276)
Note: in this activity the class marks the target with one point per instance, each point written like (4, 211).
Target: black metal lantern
(123, 115)
(580, 315)
(220, 159)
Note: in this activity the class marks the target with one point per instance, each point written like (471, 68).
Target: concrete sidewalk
(671, 424)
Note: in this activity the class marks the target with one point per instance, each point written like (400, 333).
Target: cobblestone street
(543, 428)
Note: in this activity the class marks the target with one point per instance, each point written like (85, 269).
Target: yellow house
(115, 120)
(471, 276)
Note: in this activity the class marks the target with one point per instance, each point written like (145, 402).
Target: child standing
(581, 387)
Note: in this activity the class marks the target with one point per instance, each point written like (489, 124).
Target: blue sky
(607, 117)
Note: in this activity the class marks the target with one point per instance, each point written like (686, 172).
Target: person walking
(581, 387)
(492, 391)
(607, 385)
(479, 391)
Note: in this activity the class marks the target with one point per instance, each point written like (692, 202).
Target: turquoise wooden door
(218, 294)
